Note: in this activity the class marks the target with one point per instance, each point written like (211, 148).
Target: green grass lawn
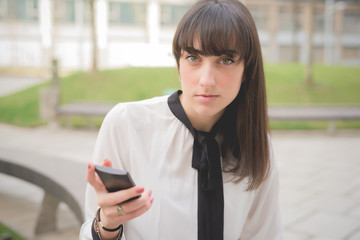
(333, 85)
(5, 231)
(129, 84)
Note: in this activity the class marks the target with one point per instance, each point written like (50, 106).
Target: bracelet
(103, 227)
(96, 230)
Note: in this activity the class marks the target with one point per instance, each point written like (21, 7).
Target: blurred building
(139, 32)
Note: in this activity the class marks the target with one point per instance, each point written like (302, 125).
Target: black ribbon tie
(206, 159)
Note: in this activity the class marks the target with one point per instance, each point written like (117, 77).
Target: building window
(172, 14)
(126, 13)
(86, 11)
(64, 11)
(319, 21)
(350, 53)
(19, 10)
(351, 23)
(260, 17)
(289, 20)
(3, 9)
(32, 10)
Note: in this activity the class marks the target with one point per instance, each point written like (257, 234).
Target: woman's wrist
(103, 232)
(106, 225)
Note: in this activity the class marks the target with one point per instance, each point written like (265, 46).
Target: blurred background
(139, 32)
(65, 63)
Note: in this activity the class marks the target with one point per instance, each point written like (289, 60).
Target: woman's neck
(200, 122)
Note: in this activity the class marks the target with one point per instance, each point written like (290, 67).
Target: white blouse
(147, 140)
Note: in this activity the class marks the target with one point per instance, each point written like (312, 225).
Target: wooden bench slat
(85, 109)
(314, 113)
(275, 113)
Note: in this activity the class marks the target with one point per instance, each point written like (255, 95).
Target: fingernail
(150, 192)
(89, 166)
(151, 200)
(139, 189)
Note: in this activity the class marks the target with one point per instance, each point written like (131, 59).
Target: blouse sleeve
(106, 147)
(264, 219)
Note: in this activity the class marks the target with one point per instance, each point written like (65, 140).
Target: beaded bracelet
(97, 222)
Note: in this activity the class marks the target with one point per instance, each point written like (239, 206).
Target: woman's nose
(207, 78)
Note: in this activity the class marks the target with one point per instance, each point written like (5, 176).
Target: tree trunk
(94, 65)
(294, 31)
(309, 44)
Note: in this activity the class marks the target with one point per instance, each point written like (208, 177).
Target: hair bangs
(214, 31)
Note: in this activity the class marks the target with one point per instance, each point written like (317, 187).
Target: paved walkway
(319, 184)
(11, 84)
(319, 181)
(20, 201)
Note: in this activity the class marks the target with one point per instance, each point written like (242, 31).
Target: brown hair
(219, 25)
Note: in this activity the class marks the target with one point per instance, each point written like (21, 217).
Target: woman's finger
(112, 213)
(106, 163)
(114, 198)
(142, 210)
(136, 204)
(93, 179)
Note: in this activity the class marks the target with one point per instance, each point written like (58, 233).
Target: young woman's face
(209, 84)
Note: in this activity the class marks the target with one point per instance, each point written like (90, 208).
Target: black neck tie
(206, 159)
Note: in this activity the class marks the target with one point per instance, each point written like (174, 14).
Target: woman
(204, 151)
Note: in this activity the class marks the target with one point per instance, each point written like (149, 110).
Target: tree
(309, 43)
(94, 65)
(294, 8)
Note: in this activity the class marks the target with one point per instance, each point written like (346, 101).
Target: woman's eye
(193, 58)
(226, 61)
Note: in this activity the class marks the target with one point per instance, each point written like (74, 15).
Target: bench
(276, 113)
(88, 110)
(60, 181)
(315, 113)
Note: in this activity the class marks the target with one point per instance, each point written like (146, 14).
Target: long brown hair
(219, 25)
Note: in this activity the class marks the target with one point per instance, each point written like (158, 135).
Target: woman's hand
(109, 202)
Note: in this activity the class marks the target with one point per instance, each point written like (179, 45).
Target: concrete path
(11, 84)
(20, 202)
(319, 181)
(319, 184)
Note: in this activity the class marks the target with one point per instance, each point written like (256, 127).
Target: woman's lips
(205, 98)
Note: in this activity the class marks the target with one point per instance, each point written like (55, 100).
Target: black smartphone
(115, 179)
